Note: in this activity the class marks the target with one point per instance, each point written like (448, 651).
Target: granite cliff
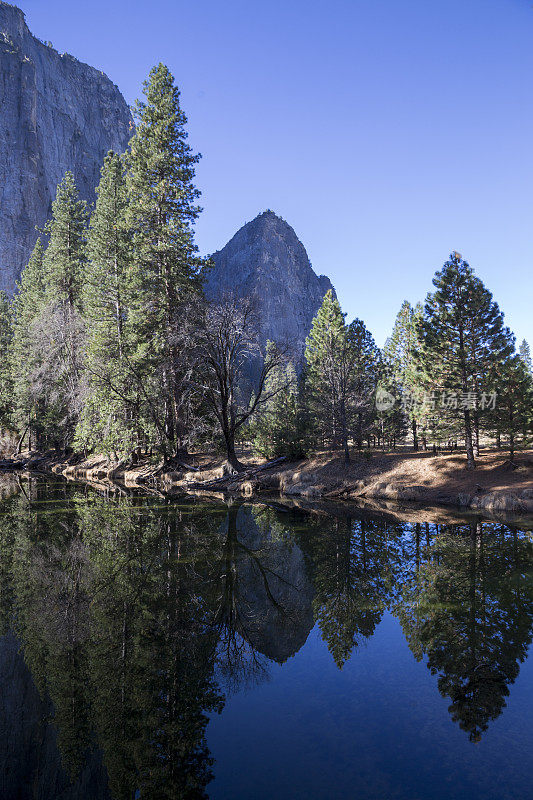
(55, 114)
(266, 260)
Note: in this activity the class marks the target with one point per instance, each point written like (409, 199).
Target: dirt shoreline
(496, 488)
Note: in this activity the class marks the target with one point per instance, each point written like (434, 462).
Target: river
(154, 647)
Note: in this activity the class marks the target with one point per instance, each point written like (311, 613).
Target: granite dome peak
(266, 260)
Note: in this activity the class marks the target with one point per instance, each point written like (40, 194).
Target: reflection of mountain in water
(30, 761)
(273, 592)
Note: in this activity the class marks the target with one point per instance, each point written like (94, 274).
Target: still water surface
(160, 649)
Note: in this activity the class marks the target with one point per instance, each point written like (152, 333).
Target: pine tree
(391, 419)
(525, 355)
(50, 385)
(27, 304)
(513, 386)
(399, 354)
(463, 337)
(64, 259)
(279, 430)
(110, 405)
(363, 368)
(164, 272)
(6, 381)
(325, 342)
(343, 366)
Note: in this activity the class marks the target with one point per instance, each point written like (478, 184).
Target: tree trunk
(21, 439)
(511, 433)
(415, 434)
(346, 451)
(476, 433)
(231, 454)
(344, 433)
(471, 464)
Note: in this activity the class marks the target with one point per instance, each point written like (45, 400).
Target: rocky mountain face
(266, 260)
(55, 114)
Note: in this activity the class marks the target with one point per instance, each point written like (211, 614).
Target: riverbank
(494, 486)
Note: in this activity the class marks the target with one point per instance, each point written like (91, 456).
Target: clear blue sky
(387, 133)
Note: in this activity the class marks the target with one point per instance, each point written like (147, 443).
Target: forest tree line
(110, 345)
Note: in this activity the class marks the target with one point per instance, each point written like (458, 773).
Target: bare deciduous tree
(228, 342)
(55, 373)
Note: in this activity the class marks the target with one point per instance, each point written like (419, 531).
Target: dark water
(160, 649)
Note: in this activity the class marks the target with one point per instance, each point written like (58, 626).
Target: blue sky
(387, 133)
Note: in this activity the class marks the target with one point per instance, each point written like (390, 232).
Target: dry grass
(435, 474)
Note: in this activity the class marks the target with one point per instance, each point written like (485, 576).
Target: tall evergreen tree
(164, 271)
(28, 300)
(280, 428)
(64, 259)
(6, 381)
(363, 368)
(463, 337)
(512, 411)
(110, 402)
(343, 364)
(325, 342)
(525, 355)
(400, 356)
(51, 381)
(390, 422)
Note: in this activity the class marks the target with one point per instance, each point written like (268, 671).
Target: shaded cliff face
(55, 114)
(266, 260)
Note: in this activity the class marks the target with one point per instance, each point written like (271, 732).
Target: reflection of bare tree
(238, 661)
(258, 597)
(60, 577)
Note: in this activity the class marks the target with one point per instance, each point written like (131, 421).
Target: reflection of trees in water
(9, 485)
(51, 615)
(457, 590)
(237, 659)
(112, 620)
(151, 637)
(467, 607)
(9, 489)
(353, 561)
(132, 613)
(127, 612)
